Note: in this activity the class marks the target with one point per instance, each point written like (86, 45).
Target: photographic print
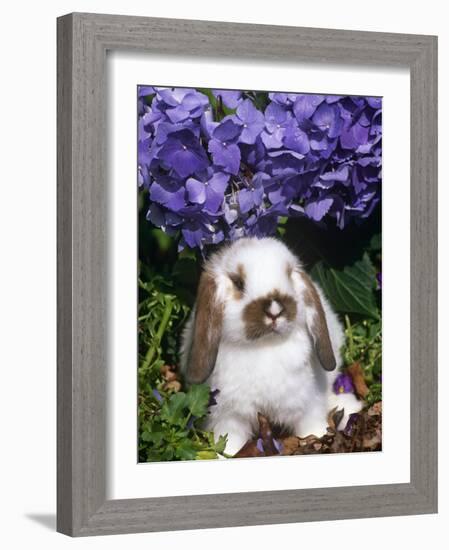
(259, 273)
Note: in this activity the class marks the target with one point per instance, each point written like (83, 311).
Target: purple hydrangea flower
(317, 209)
(145, 90)
(198, 227)
(251, 120)
(327, 119)
(208, 190)
(223, 146)
(252, 195)
(296, 139)
(283, 99)
(354, 136)
(169, 193)
(305, 106)
(183, 152)
(318, 156)
(182, 103)
(231, 98)
(277, 118)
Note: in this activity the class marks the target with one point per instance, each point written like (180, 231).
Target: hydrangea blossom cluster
(219, 166)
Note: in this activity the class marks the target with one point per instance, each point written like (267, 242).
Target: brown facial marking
(238, 282)
(289, 270)
(254, 314)
(206, 331)
(319, 330)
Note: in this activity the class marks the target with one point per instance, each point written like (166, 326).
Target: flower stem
(160, 333)
(350, 336)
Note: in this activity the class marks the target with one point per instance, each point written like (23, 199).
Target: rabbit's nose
(274, 310)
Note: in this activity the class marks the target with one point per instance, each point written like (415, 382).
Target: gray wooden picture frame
(83, 40)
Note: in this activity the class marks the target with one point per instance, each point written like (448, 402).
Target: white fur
(278, 374)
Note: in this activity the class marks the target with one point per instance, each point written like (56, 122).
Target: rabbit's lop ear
(206, 336)
(317, 325)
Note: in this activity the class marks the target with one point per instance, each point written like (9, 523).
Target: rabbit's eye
(237, 277)
(237, 281)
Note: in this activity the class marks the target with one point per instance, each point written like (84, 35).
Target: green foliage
(161, 317)
(364, 346)
(350, 290)
(375, 394)
(169, 422)
(197, 399)
(260, 99)
(281, 228)
(376, 242)
(353, 290)
(173, 431)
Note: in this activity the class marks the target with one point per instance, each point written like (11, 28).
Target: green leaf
(149, 98)
(163, 240)
(350, 290)
(261, 100)
(220, 445)
(153, 437)
(210, 95)
(167, 454)
(154, 456)
(185, 450)
(206, 455)
(198, 399)
(374, 394)
(172, 410)
(281, 230)
(187, 253)
(376, 242)
(377, 367)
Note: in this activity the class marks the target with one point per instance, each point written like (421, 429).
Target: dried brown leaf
(356, 372)
(376, 409)
(365, 435)
(266, 434)
(169, 373)
(248, 450)
(290, 445)
(334, 417)
(174, 386)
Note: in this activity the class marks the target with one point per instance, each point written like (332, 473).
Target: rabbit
(264, 335)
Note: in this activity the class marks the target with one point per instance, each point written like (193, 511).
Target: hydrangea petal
(246, 201)
(296, 139)
(196, 191)
(227, 131)
(316, 210)
(155, 215)
(305, 105)
(170, 196)
(226, 156)
(231, 98)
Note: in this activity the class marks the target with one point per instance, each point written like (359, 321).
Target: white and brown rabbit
(264, 335)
